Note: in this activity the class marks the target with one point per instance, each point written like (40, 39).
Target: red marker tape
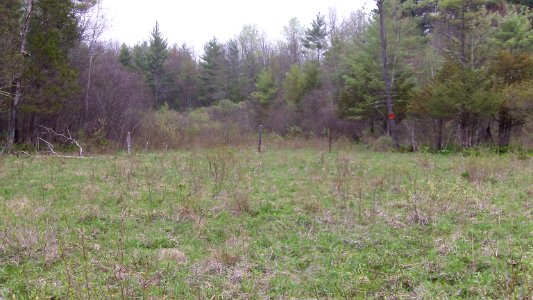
(392, 116)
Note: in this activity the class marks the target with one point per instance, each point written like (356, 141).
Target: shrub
(383, 143)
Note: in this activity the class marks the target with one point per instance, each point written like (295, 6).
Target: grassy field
(285, 224)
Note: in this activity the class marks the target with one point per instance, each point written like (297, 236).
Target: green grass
(230, 223)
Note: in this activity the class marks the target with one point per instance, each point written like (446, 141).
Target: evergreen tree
(187, 82)
(10, 14)
(265, 88)
(53, 34)
(12, 64)
(234, 75)
(211, 73)
(315, 37)
(363, 94)
(293, 86)
(461, 94)
(265, 92)
(124, 56)
(156, 56)
(140, 61)
(461, 23)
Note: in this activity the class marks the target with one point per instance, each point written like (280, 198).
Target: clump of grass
(482, 170)
(221, 162)
(239, 202)
(383, 144)
(342, 175)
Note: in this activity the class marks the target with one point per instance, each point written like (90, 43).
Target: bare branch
(50, 146)
(68, 138)
(5, 94)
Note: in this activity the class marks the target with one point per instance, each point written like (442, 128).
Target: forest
(131, 171)
(416, 74)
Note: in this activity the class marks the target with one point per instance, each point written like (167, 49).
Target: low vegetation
(230, 223)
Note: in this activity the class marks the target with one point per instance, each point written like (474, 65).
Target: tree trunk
(438, 129)
(17, 82)
(412, 135)
(383, 37)
(88, 87)
(464, 134)
(505, 124)
(463, 37)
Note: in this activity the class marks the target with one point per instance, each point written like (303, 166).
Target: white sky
(196, 21)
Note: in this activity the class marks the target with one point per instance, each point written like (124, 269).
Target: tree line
(439, 73)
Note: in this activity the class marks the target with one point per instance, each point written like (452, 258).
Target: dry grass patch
(174, 255)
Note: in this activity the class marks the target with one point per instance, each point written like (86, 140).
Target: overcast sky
(197, 21)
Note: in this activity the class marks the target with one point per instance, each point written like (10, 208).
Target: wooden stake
(259, 140)
(128, 142)
(329, 139)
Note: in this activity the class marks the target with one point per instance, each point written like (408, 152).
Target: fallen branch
(68, 138)
(22, 154)
(50, 146)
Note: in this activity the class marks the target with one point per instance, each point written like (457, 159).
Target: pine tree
(315, 37)
(211, 73)
(44, 79)
(156, 56)
(293, 86)
(139, 56)
(363, 96)
(265, 88)
(124, 56)
(12, 64)
(52, 35)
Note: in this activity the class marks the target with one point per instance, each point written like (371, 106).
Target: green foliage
(518, 100)
(156, 56)
(236, 80)
(53, 33)
(124, 56)
(10, 14)
(211, 72)
(140, 56)
(364, 87)
(528, 3)
(423, 11)
(293, 86)
(457, 92)
(265, 88)
(514, 31)
(315, 37)
(300, 81)
(512, 68)
(311, 72)
(363, 96)
(266, 92)
(467, 30)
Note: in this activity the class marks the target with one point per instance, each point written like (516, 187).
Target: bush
(383, 143)
(226, 123)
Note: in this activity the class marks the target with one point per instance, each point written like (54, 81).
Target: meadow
(231, 223)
